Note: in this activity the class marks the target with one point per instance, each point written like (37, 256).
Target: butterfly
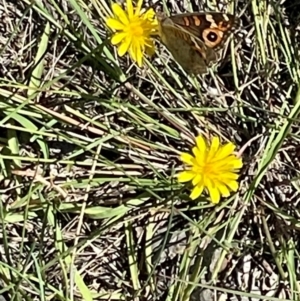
(194, 39)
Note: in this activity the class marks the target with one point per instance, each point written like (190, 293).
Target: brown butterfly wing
(194, 38)
(212, 28)
(180, 44)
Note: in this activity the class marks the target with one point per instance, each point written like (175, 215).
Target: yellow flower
(213, 168)
(133, 30)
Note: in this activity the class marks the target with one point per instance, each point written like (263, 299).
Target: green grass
(89, 144)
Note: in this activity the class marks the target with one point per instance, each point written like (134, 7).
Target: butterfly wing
(212, 28)
(187, 49)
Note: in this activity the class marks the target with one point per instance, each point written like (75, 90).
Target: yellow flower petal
(150, 49)
(201, 153)
(129, 7)
(196, 192)
(136, 53)
(231, 158)
(227, 164)
(118, 37)
(214, 194)
(201, 144)
(224, 191)
(197, 153)
(213, 191)
(132, 52)
(238, 163)
(123, 48)
(215, 143)
(197, 179)
(114, 24)
(185, 176)
(187, 158)
(120, 13)
(139, 57)
(228, 176)
(138, 8)
(150, 16)
(225, 150)
(233, 185)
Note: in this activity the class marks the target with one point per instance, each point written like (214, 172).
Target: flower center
(135, 28)
(209, 170)
(206, 169)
